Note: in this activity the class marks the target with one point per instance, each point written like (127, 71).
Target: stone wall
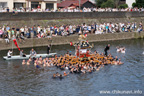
(66, 40)
(59, 22)
(67, 15)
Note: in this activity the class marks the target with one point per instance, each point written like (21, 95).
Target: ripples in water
(18, 80)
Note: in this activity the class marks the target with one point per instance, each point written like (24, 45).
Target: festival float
(84, 55)
(82, 48)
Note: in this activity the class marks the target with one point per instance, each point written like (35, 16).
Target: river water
(18, 80)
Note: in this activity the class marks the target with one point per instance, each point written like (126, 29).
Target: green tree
(138, 3)
(108, 4)
(134, 5)
(100, 2)
(123, 6)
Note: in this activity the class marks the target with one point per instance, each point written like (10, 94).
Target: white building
(44, 4)
(93, 1)
(130, 2)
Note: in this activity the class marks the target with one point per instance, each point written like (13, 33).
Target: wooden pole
(12, 47)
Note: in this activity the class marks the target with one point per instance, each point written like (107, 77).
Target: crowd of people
(100, 10)
(21, 33)
(21, 9)
(75, 64)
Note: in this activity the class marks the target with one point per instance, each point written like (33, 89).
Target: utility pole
(79, 4)
(28, 4)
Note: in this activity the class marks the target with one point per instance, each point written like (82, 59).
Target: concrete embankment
(59, 22)
(67, 15)
(59, 40)
(75, 18)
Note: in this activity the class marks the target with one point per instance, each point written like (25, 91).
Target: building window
(3, 4)
(49, 6)
(34, 4)
(18, 5)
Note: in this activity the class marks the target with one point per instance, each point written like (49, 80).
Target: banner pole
(12, 47)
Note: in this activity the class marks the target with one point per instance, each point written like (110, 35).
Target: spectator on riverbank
(6, 39)
(66, 30)
(140, 28)
(1, 32)
(21, 9)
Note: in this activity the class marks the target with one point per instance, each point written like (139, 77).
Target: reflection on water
(18, 80)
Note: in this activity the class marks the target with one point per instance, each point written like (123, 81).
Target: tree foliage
(138, 3)
(106, 3)
(116, 3)
(123, 6)
(100, 2)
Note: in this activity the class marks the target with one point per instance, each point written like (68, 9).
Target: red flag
(15, 42)
(85, 35)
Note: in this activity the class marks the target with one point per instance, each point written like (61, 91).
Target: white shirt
(38, 29)
(22, 29)
(9, 53)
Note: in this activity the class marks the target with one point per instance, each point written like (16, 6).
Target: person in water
(74, 64)
(28, 63)
(121, 49)
(9, 54)
(106, 49)
(33, 52)
(23, 62)
(54, 76)
(65, 74)
(22, 54)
